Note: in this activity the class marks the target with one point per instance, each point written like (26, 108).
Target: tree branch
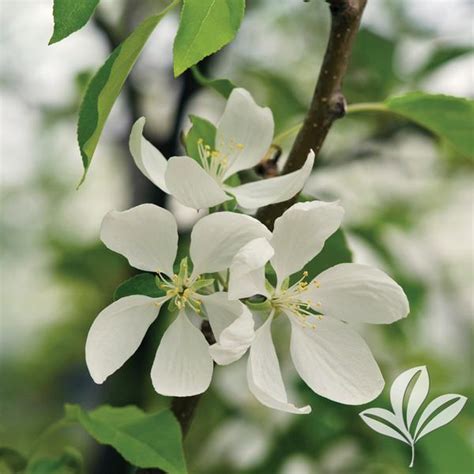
(328, 103)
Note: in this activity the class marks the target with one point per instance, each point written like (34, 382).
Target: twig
(328, 103)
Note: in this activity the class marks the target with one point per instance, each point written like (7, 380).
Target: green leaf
(106, 84)
(70, 16)
(70, 462)
(201, 129)
(144, 440)
(223, 86)
(12, 460)
(449, 117)
(205, 27)
(439, 57)
(335, 251)
(282, 95)
(371, 76)
(141, 284)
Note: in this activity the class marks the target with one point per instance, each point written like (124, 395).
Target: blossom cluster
(240, 277)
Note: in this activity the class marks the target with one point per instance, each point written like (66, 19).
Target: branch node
(328, 103)
(338, 106)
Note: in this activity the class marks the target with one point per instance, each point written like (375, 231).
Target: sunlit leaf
(145, 440)
(70, 16)
(223, 86)
(141, 284)
(456, 403)
(205, 27)
(106, 85)
(12, 460)
(449, 117)
(69, 462)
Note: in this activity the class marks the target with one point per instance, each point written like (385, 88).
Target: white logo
(399, 423)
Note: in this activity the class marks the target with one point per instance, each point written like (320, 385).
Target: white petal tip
(306, 410)
(176, 393)
(222, 356)
(98, 380)
(367, 398)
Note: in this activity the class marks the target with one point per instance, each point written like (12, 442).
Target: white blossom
(243, 137)
(147, 236)
(328, 354)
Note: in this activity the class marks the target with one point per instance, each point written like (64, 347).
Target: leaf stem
(367, 107)
(351, 109)
(281, 137)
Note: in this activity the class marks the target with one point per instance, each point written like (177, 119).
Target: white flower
(243, 137)
(147, 236)
(330, 357)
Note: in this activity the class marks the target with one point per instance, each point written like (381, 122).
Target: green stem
(351, 109)
(281, 137)
(367, 107)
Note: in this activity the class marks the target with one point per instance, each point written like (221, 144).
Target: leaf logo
(399, 423)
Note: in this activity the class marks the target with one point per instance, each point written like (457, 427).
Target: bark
(328, 103)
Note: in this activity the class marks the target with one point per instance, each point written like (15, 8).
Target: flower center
(215, 162)
(295, 301)
(182, 290)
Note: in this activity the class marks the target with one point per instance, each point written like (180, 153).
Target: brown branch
(328, 103)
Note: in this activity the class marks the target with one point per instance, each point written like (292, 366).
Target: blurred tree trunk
(129, 383)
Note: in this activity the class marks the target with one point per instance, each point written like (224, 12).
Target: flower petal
(147, 235)
(183, 366)
(359, 293)
(235, 339)
(335, 362)
(117, 332)
(216, 238)
(247, 271)
(300, 233)
(220, 311)
(264, 374)
(148, 159)
(244, 133)
(191, 185)
(273, 190)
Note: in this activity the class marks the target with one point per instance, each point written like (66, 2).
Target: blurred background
(408, 201)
